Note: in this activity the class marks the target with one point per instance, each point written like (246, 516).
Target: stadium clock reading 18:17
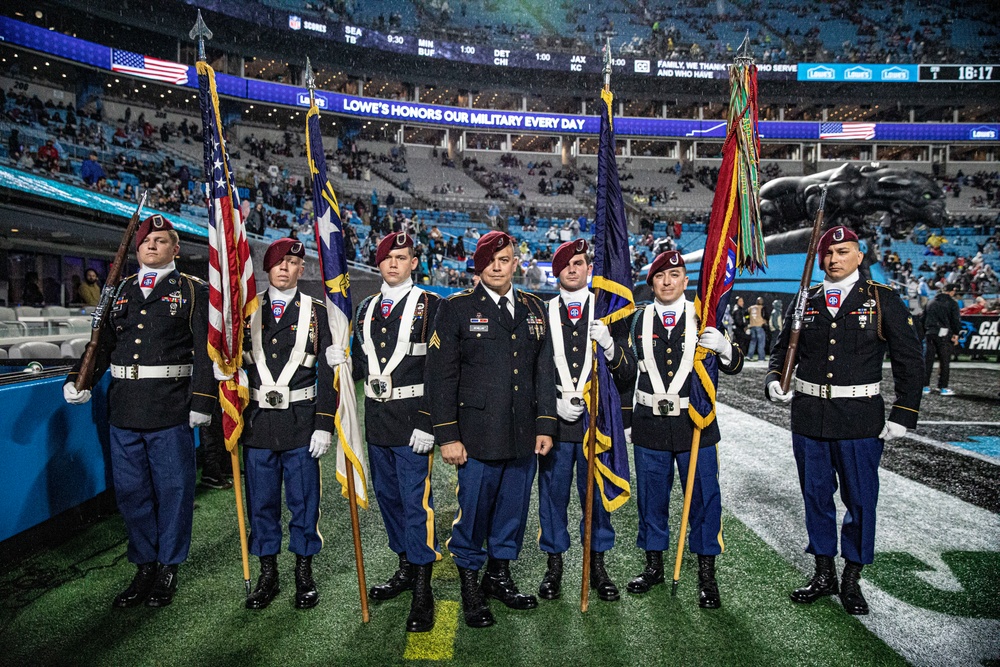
(960, 73)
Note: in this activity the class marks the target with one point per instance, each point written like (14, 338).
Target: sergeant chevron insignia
(435, 342)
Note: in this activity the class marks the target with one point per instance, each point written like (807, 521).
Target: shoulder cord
(427, 305)
(314, 325)
(878, 315)
(631, 334)
(190, 285)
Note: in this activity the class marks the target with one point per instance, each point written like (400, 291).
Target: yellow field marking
(439, 643)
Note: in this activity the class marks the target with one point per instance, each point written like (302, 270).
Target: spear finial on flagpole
(743, 52)
(310, 82)
(200, 32)
(607, 63)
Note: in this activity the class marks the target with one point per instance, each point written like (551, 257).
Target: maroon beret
(277, 251)
(488, 246)
(392, 242)
(665, 260)
(566, 252)
(833, 236)
(154, 223)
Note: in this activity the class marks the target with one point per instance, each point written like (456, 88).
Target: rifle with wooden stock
(84, 379)
(802, 297)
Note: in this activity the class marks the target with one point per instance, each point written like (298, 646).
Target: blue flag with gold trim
(613, 283)
(337, 289)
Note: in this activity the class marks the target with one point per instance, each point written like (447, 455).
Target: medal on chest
(175, 301)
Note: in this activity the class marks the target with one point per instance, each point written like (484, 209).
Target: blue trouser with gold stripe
(402, 483)
(154, 475)
(555, 477)
(821, 463)
(654, 476)
(493, 499)
(265, 471)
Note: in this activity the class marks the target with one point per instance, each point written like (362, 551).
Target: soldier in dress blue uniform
(289, 422)
(573, 326)
(161, 389)
(388, 353)
(493, 406)
(663, 339)
(838, 414)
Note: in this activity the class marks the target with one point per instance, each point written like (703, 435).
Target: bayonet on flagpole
(200, 33)
(310, 82)
(607, 64)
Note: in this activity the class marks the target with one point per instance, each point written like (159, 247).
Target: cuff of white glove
(725, 354)
(609, 353)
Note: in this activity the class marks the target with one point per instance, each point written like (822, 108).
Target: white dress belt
(396, 393)
(836, 391)
(294, 396)
(644, 398)
(137, 372)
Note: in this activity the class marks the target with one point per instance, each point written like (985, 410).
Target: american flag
(337, 288)
(232, 292)
(847, 131)
(137, 64)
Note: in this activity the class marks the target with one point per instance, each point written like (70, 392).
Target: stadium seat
(3, 353)
(27, 311)
(56, 311)
(73, 349)
(35, 349)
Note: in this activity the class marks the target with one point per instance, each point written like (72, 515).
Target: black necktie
(505, 317)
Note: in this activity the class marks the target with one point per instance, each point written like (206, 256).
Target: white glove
(599, 331)
(335, 356)
(421, 442)
(196, 419)
(567, 411)
(219, 375)
(628, 435)
(891, 431)
(74, 397)
(715, 340)
(775, 394)
(319, 443)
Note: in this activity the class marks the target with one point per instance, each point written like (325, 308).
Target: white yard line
(760, 486)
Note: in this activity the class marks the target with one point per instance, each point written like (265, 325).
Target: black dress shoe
(474, 608)
(708, 589)
(306, 595)
(215, 482)
(421, 618)
(850, 590)
(164, 588)
(823, 583)
(651, 575)
(267, 584)
(401, 580)
(599, 579)
(498, 584)
(551, 584)
(139, 589)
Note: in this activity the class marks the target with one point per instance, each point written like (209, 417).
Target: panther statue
(907, 196)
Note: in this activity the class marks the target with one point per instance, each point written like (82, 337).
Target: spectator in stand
(89, 292)
(91, 171)
(741, 321)
(31, 294)
(255, 219)
(48, 156)
(775, 322)
(533, 276)
(977, 308)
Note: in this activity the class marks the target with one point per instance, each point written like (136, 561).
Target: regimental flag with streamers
(337, 287)
(613, 283)
(232, 295)
(735, 240)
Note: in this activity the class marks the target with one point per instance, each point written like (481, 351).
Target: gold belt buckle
(133, 372)
(828, 390)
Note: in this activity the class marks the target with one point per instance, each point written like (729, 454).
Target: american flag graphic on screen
(859, 131)
(137, 64)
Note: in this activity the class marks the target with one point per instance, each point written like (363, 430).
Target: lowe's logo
(821, 72)
(983, 133)
(304, 100)
(858, 74)
(895, 74)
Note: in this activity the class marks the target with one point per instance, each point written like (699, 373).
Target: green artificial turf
(55, 607)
